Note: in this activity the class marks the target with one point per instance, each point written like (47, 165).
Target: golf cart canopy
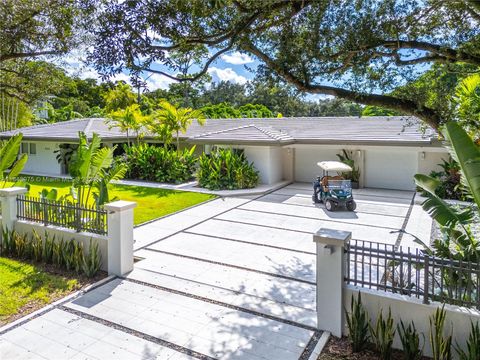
(334, 166)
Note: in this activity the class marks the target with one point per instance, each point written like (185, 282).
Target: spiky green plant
(92, 261)
(472, 344)
(410, 341)
(382, 334)
(441, 345)
(37, 246)
(357, 323)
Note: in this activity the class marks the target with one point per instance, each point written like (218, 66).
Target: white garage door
(390, 169)
(306, 160)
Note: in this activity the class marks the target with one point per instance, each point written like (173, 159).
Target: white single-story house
(389, 150)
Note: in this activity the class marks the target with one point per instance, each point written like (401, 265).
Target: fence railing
(412, 272)
(63, 214)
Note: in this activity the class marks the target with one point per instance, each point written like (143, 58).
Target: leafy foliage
(347, 158)
(410, 341)
(449, 186)
(226, 169)
(383, 334)
(69, 255)
(358, 324)
(8, 159)
(92, 169)
(128, 120)
(467, 99)
(153, 163)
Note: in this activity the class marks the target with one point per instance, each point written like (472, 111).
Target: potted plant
(347, 158)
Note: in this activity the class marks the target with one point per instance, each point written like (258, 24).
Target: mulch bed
(32, 306)
(336, 349)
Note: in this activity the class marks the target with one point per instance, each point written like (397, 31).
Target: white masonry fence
(389, 278)
(115, 241)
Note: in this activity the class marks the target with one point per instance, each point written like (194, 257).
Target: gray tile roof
(385, 130)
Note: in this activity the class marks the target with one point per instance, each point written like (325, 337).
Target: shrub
(383, 334)
(91, 262)
(226, 169)
(410, 341)
(153, 163)
(357, 323)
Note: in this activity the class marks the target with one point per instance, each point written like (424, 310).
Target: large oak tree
(360, 50)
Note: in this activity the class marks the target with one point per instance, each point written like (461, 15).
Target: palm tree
(175, 119)
(128, 119)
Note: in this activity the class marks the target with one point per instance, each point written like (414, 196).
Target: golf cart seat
(325, 179)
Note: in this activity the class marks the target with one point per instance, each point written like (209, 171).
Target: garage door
(306, 168)
(390, 169)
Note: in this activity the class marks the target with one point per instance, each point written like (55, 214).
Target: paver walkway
(232, 278)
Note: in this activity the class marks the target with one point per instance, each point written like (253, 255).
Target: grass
(25, 287)
(152, 203)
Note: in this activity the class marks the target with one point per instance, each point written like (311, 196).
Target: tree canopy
(357, 50)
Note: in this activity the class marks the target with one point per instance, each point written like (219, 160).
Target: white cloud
(237, 58)
(157, 81)
(227, 75)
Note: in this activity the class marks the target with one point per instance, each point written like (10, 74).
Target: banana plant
(92, 169)
(9, 159)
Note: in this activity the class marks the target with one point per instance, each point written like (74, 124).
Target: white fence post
(8, 199)
(330, 278)
(120, 237)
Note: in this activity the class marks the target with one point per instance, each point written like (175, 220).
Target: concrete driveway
(232, 278)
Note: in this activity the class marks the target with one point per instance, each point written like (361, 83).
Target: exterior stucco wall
(267, 160)
(429, 162)
(410, 309)
(44, 161)
(306, 159)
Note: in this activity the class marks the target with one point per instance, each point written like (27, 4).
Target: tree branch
(14, 55)
(428, 115)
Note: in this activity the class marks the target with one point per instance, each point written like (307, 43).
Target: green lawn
(152, 203)
(25, 287)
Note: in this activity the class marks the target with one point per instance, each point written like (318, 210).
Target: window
(28, 148)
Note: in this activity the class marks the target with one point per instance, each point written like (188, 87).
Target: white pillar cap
(120, 205)
(332, 237)
(12, 191)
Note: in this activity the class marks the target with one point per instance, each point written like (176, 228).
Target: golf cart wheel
(329, 205)
(351, 206)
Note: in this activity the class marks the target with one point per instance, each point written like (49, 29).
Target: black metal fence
(412, 272)
(63, 214)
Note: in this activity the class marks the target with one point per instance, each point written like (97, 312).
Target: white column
(120, 237)
(330, 278)
(8, 199)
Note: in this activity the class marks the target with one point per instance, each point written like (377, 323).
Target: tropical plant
(467, 99)
(346, 157)
(8, 159)
(129, 119)
(92, 169)
(441, 345)
(410, 341)
(357, 323)
(173, 119)
(473, 344)
(153, 163)
(453, 221)
(226, 169)
(383, 334)
(450, 181)
(120, 97)
(92, 261)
